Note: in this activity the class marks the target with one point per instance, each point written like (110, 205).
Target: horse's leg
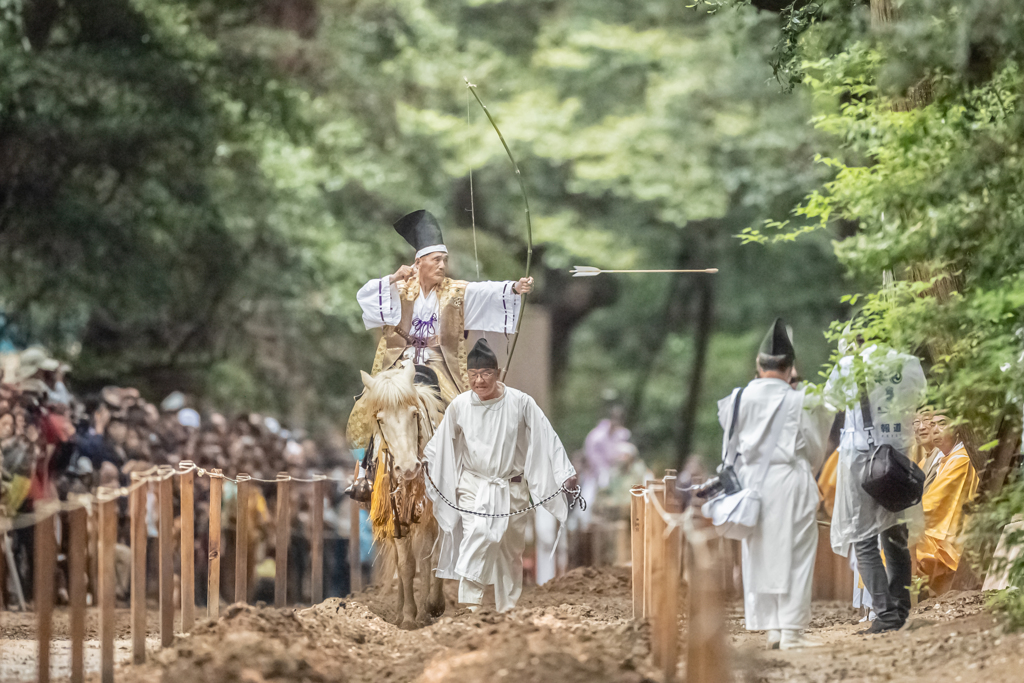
(388, 580)
(406, 574)
(435, 597)
(425, 568)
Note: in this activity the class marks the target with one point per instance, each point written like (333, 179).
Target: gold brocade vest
(451, 297)
(452, 317)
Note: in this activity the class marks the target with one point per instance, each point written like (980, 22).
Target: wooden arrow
(591, 271)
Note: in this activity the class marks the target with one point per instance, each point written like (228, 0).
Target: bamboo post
(242, 539)
(213, 579)
(656, 574)
(137, 504)
(649, 542)
(707, 653)
(166, 497)
(284, 535)
(77, 561)
(316, 540)
(188, 548)
(94, 556)
(45, 565)
(354, 562)
(636, 506)
(107, 583)
(668, 629)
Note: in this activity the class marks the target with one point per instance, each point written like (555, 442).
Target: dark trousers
(888, 584)
(336, 570)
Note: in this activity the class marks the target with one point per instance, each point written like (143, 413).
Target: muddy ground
(577, 629)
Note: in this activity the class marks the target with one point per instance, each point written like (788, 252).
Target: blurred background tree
(191, 192)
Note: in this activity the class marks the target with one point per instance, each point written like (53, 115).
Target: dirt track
(576, 629)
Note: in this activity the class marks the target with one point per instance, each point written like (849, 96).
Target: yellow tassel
(380, 505)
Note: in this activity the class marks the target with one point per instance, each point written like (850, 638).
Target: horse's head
(395, 402)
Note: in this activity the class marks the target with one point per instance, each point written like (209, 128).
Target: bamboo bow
(529, 225)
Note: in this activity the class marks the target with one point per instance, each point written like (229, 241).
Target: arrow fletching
(585, 271)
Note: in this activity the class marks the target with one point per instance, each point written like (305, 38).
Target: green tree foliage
(924, 129)
(193, 191)
(934, 190)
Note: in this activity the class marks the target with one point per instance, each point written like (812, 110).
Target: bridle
(394, 489)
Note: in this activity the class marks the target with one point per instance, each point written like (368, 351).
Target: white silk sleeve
(547, 464)
(379, 301)
(492, 307)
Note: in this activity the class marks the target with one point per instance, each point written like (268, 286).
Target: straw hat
(32, 360)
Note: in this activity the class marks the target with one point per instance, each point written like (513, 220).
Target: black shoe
(879, 627)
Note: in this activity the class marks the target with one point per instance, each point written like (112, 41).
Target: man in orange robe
(951, 483)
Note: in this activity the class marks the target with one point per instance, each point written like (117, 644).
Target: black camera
(726, 483)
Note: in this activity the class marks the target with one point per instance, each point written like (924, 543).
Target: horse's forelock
(391, 390)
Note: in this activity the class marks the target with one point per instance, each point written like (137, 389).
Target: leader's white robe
(479, 447)
(778, 557)
(489, 307)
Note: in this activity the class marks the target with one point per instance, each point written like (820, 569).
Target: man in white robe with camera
(493, 451)
(778, 555)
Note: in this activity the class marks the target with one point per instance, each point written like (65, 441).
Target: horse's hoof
(435, 610)
(408, 625)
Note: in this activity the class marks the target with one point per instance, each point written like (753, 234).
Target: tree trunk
(702, 339)
(1003, 455)
(883, 12)
(674, 309)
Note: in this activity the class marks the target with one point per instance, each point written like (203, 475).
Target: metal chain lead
(575, 492)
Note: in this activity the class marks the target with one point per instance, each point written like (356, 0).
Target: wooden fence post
(107, 580)
(649, 543)
(316, 540)
(669, 627)
(188, 548)
(707, 651)
(94, 554)
(166, 498)
(213, 579)
(284, 535)
(137, 511)
(354, 555)
(45, 565)
(656, 572)
(77, 561)
(242, 539)
(637, 534)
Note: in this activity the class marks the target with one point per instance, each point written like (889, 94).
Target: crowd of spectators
(55, 443)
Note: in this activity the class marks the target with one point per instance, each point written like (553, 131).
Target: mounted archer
(425, 315)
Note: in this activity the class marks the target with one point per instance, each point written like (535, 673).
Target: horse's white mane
(393, 390)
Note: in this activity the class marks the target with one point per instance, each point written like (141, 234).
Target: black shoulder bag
(891, 478)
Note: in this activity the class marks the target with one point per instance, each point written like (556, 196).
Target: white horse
(406, 415)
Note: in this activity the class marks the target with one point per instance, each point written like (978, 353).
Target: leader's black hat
(421, 230)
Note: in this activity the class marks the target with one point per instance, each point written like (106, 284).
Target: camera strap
(730, 448)
(865, 413)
